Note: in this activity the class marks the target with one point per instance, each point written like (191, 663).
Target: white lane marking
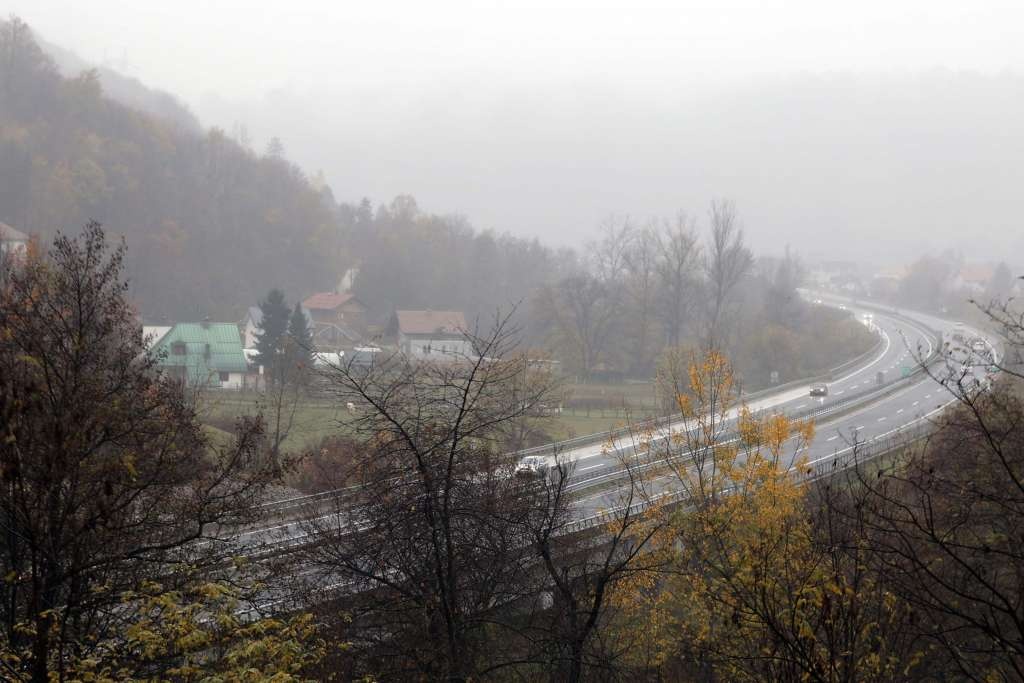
(899, 411)
(858, 428)
(832, 438)
(840, 391)
(916, 402)
(882, 419)
(891, 431)
(802, 405)
(927, 395)
(888, 343)
(584, 469)
(855, 386)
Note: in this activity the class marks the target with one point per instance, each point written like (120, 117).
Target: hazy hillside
(124, 89)
(210, 225)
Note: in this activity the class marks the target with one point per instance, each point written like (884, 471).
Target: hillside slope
(210, 226)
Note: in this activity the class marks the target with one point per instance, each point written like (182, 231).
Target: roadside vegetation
(441, 561)
(139, 539)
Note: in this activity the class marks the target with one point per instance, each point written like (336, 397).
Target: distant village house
(204, 355)
(431, 335)
(152, 334)
(13, 243)
(338, 319)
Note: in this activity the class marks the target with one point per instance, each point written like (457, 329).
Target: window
(178, 349)
(224, 376)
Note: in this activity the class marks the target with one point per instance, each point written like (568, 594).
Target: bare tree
(582, 312)
(943, 526)
(642, 291)
(1006, 318)
(432, 540)
(941, 521)
(727, 262)
(584, 567)
(678, 279)
(609, 255)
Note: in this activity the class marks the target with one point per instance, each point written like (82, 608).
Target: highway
(903, 408)
(907, 403)
(866, 414)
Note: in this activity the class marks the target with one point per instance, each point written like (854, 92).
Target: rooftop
(431, 322)
(209, 347)
(328, 301)
(152, 334)
(9, 233)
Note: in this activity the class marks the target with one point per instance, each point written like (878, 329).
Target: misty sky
(883, 126)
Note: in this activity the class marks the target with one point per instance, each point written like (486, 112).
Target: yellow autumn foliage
(744, 584)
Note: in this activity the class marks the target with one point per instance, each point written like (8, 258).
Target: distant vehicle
(819, 390)
(532, 466)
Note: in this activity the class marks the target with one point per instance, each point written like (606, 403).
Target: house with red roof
(339, 319)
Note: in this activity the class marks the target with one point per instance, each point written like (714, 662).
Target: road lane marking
(882, 419)
(840, 391)
(899, 411)
(802, 405)
(832, 438)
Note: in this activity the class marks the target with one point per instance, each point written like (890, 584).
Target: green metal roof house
(204, 355)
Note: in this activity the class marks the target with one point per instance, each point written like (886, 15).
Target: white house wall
(436, 349)
(236, 380)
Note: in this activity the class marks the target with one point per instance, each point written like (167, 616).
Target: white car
(532, 466)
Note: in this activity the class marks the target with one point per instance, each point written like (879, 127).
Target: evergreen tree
(271, 336)
(300, 343)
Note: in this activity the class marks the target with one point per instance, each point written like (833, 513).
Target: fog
(844, 130)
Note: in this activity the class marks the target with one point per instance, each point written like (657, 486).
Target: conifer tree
(300, 344)
(273, 327)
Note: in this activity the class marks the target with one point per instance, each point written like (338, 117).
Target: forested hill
(125, 89)
(210, 225)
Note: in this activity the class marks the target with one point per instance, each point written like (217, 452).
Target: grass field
(314, 418)
(598, 407)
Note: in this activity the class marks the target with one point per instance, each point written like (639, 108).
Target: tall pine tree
(300, 344)
(271, 335)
